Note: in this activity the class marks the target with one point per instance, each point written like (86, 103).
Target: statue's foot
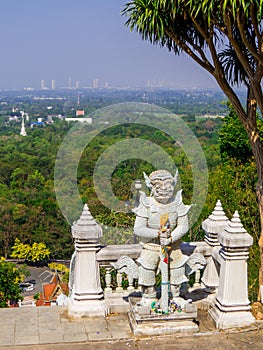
(181, 302)
(146, 301)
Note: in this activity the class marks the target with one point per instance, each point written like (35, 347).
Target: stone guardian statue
(162, 203)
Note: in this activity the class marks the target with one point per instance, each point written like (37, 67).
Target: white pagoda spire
(23, 129)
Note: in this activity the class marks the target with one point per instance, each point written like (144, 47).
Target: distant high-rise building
(69, 83)
(53, 84)
(42, 84)
(95, 83)
(77, 84)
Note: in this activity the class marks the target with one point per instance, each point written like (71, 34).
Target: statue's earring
(147, 181)
(176, 177)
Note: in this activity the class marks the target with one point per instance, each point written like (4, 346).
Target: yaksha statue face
(162, 186)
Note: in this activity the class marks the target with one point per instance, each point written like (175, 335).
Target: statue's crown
(160, 175)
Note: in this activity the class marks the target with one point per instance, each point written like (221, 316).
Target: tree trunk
(258, 154)
(250, 124)
(260, 242)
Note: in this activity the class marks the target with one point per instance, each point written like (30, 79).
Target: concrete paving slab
(50, 338)
(6, 340)
(26, 328)
(26, 339)
(119, 326)
(75, 337)
(26, 322)
(24, 316)
(99, 335)
(7, 328)
(7, 322)
(111, 333)
(218, 342)
(45, 327)
(48, 318)
(5, 316)
(50, 331)
(24, 312)
(29, 331)
(66, 319)
(73, 327)
(99, 325)
(74, 332)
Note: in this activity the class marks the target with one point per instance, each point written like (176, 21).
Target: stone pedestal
(143, 322)
(231, 307)
(87, 297)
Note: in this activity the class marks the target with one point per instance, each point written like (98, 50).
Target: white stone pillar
(87, 297)
(231, 307)
(212, 226)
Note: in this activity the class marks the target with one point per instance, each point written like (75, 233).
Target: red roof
(52, 290)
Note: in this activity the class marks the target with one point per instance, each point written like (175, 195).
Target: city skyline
(100, 84)
(88, 43)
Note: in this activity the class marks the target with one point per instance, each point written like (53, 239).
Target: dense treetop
(28, 207)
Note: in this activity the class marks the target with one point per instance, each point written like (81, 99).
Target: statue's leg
(148, 263)
(147, 282)
(177, 279)
(178, 282)
(151, 291)
(175, 290)
(177, 272)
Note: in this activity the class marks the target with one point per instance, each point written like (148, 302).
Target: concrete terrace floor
(47, 328)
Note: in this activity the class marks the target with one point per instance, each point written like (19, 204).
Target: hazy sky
(84, 40)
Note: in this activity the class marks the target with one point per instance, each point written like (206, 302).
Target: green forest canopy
(29, 210)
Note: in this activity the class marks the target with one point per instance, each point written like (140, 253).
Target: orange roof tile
(48, 290)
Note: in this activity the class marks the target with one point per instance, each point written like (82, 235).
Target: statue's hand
(165, 241)
(164, 233)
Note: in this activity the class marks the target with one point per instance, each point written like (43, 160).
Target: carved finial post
(87, 295)
(231, 307)
(213, 225)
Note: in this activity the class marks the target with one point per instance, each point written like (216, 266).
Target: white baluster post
(108, 289)
(119, 288)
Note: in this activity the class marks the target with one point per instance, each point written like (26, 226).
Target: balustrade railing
(115, 281)
(222, 257)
